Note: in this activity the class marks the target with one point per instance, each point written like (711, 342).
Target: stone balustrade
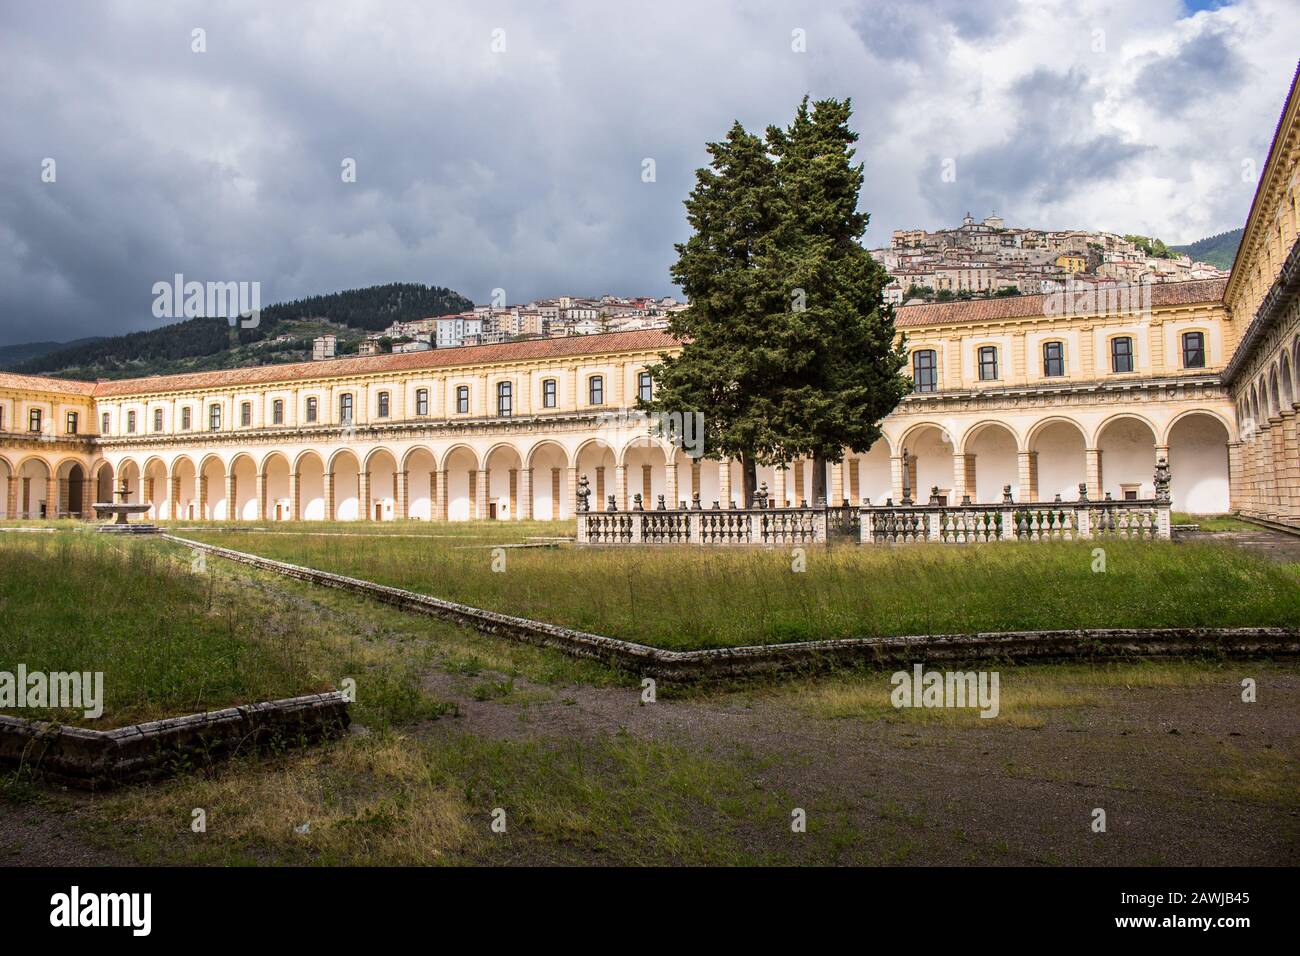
(698, 525)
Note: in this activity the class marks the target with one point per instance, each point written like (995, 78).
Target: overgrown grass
(172, 641)
(1213, 522)
(685, 597)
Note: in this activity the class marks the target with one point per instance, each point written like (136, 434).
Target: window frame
(70, 423)
(1199, 348)
(187, 418)
(462, 399)
(421, 402)
(105, 423)
(981, 362)
(550, 393)
(645, 386)
(595, 390)
(130, 421)
(383, 404)
(157, 419)
(277, 411)
(1115, 355)
(245, 414)
(918, 383)
(347, 408)
(505, 399)
(311, 410)
(214, 417)
(1059, 359)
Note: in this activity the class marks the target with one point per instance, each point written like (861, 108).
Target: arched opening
(991, 454)
(72, 489)
(154, 492)
(279, 494)
(347, 486)
(185, 481)
(128, 472)
(1288, 387)
(646, 468)
(460, 465)
(1059, 452)
(381, 504)
(595, 460)
(1198, 464)
(311, 487)
(929, 463)
(34, 487)
(244, 471)
(212, 491)
(104, 483)
(502, 465)
(1128, 459)
(867, 477)
(421, 483)
(549, 466)
(8, 487)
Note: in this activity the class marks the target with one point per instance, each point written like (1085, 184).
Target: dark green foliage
(1218, 250)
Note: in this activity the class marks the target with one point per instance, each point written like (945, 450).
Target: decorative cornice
(1284, 289)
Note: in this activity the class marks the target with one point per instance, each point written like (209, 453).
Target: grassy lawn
(694, 598)
(1213, 522)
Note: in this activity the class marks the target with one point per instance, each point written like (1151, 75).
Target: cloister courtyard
(451, 726)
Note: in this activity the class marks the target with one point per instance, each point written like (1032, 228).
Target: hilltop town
(987, 259)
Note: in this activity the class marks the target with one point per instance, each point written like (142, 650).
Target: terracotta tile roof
(41, 383)
(1022, 306)
(573, 345)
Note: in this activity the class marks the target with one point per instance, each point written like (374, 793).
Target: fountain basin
(122, 511)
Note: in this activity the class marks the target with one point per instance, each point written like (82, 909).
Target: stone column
(896, 477)
(87, 500)
(695, 477)
(525, 510)
(403, 495)
(1092, 466)
(779, 476)
(330, 513)
(571, 492)
(261, 496)
(147, 497)
(481, 494)
(11, 497)
(1290, 474)
(363, 496)
(836, 491)
(1028, 475)
(620, 486)
(724, 482)
(670, 484)
(600, 503)
(295, 496)
(232, 489)
(444, 499)
(174, 498)
(512, 493)
(203, 498)
(1236, 477)
(959, 488)
(52, 497)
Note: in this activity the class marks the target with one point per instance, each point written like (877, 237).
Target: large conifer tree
(787, 344)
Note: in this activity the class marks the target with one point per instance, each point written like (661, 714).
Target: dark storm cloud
(477, 170)
(1206, 65)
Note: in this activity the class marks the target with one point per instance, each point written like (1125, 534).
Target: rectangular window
(504, 395)
(312, 406)
(421, 401)
(187, 419)
(548, 393)
(988, 363)
(1121, 354)
(277, 412)
(645, 387)
(34, 420)
(1053, 359)
(214, 417)
(345, 409)
(1193, 350)
(72, 423)
(596, 390)
(157, 419)
(925, 371)
(246, 414)
(382, 411)
(130, 423)
(462, 399)
(103, 424)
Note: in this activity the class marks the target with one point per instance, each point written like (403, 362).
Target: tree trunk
(749, 479)
(819, 481)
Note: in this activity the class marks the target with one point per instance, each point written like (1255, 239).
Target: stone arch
(462, 495)
(1274, 398)
(128, 471)
(213, 505)
(1126, 445)
(645, 466)
(421, 467)
(379, 490)
(929, 449)
(72, 484)
(7, 484)
(102, 480)
(1198, 462)
(153, 477)
(501, 466)
(1057, 448)
(596, 459)
(243, 470)
(1287, 382)
(867, 476)
(277, 489)
(991, 450)
(35, 482)
(309, 466)
(184, 487)
(346, 469)
(547, 463)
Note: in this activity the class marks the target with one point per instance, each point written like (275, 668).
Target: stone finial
(1083, 491)
(584, 495)
(661, 505)
(760, 496)
(613, 503)
(1006, 494)
(717, 506)
(1108, 497)
(934, 494)
(696, 505)
(1162, 480)
(637, 503)
(1057, 499)
(965, 499)
(907, 480)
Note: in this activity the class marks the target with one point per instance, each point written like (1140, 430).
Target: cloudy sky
(502, 145)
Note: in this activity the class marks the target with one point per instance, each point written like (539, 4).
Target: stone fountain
(122, 509)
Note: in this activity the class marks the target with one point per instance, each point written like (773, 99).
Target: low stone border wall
(96, 759)
(753, 660)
